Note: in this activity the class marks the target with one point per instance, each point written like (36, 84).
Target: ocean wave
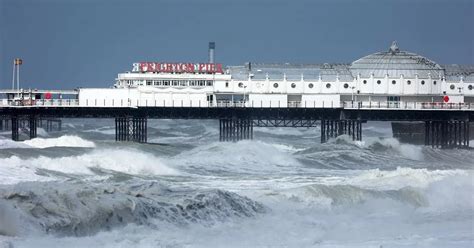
(127, 161)
(435, 191)
(401, 177)
(380, 144)
(239, 157)
(62, 141)
(79, 209)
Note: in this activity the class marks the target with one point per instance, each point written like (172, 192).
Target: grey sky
(85, 43)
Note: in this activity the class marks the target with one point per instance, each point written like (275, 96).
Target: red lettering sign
(177, 67)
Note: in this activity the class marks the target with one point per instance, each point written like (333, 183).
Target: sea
(78, 187)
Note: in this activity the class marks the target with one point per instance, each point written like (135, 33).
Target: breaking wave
(62, 141)
(240, 157)
(82, 209)
(126, 161)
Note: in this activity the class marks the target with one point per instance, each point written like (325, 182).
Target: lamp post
(16, 70)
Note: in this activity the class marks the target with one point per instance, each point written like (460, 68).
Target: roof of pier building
(394, 63)
(292, 72)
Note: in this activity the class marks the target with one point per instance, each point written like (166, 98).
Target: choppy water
(79, 188)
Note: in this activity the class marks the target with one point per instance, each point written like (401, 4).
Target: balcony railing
(236, 104)
(39, 102)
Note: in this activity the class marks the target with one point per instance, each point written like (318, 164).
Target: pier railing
(237, 104)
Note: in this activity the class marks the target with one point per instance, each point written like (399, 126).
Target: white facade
(392, 77)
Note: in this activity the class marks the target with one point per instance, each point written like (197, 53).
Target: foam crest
(400, 178)
(119, 160)
(409, 151)
(8, 143)
(63, 141)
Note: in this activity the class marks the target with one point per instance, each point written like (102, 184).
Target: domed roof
(396, 63)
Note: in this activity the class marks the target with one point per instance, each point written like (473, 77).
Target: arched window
(365, 81)
(408, 82)
(422, 82)
(434, 82)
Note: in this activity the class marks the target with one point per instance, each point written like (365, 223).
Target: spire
(394, 47)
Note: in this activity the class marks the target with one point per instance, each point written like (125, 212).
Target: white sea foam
(401, 177)
(8, 143)
(409, 151)
(15, 169)
(62, 141)
(371, 219)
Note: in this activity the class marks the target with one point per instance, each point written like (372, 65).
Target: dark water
(79, 188)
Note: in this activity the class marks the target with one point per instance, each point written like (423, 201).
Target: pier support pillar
(131, 129)
(447, 134)
(33, 122)
(235, 129)
(334, 128)
(15, 128)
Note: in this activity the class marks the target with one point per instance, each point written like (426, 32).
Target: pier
(445, 126)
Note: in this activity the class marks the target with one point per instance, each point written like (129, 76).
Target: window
(183, 83)
(434, 82)
(345, 86)
(422, 82)
(149, 82)
(275, 85)
(452, 86)
(394, 82)
(328, 85)
(209, 83)
(166, 83)
(310, 86)
(202, 83)
(241, 85)
(393, 98)
(408, 82)
(192, 83)
(379, 82)
(226, 84)
(293, 85)
(469, 87)
(175, 82)
(365, 81)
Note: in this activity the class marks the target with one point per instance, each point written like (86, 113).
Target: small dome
(395, 63)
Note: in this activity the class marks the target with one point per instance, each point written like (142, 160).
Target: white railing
(237, 104)
(406, 105)
(39, 102)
